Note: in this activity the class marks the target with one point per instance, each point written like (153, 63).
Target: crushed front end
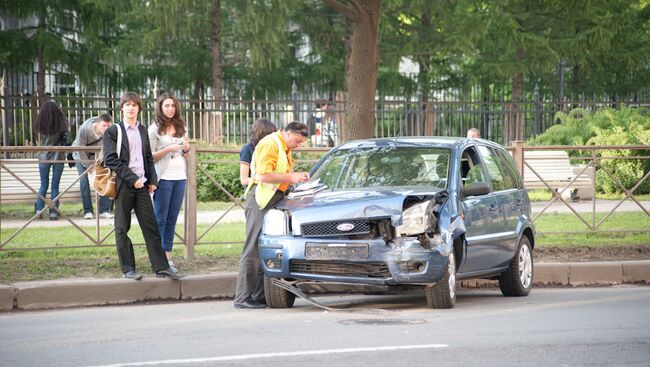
(380, 238)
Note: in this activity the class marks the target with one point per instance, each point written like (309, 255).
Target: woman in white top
(169, 145)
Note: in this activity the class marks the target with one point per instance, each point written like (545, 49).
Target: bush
(225, 170)
(606, 127)
(627, 171)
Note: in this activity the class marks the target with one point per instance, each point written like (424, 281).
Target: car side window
(509, 163)
(470, 168)
(499, 174)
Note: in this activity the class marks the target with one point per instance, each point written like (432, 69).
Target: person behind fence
(136, 178)
(52, 127)
(90, 134)
(169, 147)
(271, 177)
(261, 128)
(473, 133)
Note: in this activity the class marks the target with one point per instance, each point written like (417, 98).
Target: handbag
(103, 178)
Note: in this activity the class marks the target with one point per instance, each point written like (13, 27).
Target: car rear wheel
(443, 293)
(518, 279)
(277, 297)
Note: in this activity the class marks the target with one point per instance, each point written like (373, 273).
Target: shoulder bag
(102, 177)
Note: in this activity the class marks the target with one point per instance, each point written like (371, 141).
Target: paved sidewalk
(237, 215)
(95, 292)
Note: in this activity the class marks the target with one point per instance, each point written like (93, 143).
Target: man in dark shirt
(136, 178)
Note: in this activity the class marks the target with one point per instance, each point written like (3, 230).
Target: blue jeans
(44, 171)
(84, 187)
(167, 200)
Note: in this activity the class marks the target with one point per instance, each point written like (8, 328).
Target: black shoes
(168, 273)
(133, 275)
(249, 305)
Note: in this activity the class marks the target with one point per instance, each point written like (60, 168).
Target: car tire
(518, 279)
(443, 293)
(277, 297)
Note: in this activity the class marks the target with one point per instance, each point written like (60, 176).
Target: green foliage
(606, 126)
(223, 169)
(627, 171)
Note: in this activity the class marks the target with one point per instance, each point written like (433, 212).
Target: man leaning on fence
(136, 178)
(271, 175)
(90, 134)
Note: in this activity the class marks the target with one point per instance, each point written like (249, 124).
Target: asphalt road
(552, 327)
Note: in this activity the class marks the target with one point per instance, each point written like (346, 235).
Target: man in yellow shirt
(271, 176)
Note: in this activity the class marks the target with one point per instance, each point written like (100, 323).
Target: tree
(363, 18)
(58, 35)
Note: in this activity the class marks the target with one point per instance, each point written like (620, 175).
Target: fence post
(3, 114)
(419, 112)
(518, 156)
(536, 109)
(190, 203)
(294, 101)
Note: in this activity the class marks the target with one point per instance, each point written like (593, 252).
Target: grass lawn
(219, 249)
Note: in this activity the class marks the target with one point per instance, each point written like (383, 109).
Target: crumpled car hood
(349, 204)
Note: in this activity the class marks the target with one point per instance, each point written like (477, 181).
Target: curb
(98, 292)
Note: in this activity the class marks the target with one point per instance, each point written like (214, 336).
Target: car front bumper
(404, 261)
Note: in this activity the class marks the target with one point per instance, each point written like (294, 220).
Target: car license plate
(336, 251)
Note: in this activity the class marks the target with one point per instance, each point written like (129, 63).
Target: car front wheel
(277, 297)
(518, 279)
(443, 293)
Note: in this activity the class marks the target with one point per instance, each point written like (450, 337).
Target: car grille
(324, 229)
(368, 269)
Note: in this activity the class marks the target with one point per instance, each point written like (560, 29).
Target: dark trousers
(138, 199)
(250, 279)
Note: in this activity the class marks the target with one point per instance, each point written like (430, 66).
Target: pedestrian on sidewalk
(52, 127)
(261, 128)
(90, 134)
(136, 179)
(170, 147)
(271, 172)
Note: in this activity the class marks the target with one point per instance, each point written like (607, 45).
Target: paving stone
(6, 297)
(595, 273)
(218, 286)
(93, 292)
(636, 272)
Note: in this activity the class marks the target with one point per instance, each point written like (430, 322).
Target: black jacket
(121, 165)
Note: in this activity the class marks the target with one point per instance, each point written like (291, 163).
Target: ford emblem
(345, 227)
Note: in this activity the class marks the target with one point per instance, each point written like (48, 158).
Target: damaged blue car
(402, 213)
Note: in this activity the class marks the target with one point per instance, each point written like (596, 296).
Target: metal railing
(594, 160)
(191, 237)
(229, 121)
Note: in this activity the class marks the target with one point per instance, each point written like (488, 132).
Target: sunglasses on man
(301, 132)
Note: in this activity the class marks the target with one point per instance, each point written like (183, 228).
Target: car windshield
(385, 167)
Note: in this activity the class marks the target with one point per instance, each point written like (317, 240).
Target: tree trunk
(40, 58)
(216, 71)
(364, 59)
(517, 126)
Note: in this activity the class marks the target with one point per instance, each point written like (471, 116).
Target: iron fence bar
(215, 223)
(628, 194)
(557, 196)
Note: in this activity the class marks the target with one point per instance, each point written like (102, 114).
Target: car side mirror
(477, 189)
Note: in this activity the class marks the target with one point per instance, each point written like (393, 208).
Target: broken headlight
(276, 223)
(415, 220)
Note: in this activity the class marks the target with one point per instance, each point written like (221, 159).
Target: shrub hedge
(625, 126)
